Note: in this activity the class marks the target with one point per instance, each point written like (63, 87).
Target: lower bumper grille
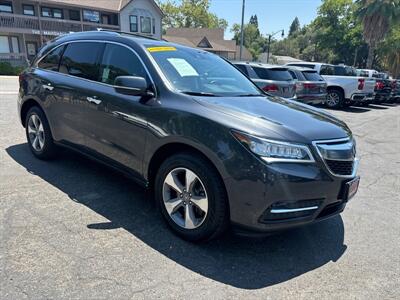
(340, 167)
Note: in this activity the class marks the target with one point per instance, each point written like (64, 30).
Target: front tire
(335, 98)
(38, 134)
(191, 197)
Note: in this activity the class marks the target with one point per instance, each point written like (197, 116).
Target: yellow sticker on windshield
(160, 49)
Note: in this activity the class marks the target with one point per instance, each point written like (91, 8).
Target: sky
(273, 15)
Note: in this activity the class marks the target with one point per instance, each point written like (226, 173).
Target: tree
(294, 27)
(376, 17)
(253, 40)
(389, 52)
(190, 13)
(254, 20)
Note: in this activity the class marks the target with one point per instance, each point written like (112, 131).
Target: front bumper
(311, 189)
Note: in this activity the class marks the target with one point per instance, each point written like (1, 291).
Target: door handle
(93, 100)
(48, 87)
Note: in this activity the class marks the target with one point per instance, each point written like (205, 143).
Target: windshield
(197, 72)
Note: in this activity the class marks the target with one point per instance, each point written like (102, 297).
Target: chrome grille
(339, 156)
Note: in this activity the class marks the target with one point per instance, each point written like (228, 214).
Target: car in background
(311, 88)
(395, 90)
(383, 85)
(343, 87)
(274, 80)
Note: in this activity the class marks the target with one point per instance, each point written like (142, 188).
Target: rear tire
(38, 134)
(335, 98)
(181, 182)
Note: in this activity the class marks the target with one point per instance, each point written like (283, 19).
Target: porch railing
(49, 26)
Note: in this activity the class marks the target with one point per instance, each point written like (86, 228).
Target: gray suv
(274, 80)
(214, 148)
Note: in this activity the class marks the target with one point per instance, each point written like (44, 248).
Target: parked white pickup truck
(344, 87)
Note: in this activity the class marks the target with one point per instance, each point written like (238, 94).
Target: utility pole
(242, 32)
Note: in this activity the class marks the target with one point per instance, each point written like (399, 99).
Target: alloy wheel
(333, 99)
(185, 198)
(36, 132)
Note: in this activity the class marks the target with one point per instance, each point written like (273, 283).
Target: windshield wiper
(198, 94)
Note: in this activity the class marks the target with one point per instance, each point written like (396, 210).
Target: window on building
(74, 15)
(52, 60)
(6, 6)
(14, 44)
(145, 24)
(55, 13)
(4, 44)
(119, 61)
(91, 16)
(28, 10)
(133, 23)
(154, 26)
(9, 44)
(80, 59)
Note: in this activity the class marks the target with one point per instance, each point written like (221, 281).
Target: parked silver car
(275, 80)
(311, 88)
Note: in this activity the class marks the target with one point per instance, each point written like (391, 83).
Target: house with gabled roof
(209, 39)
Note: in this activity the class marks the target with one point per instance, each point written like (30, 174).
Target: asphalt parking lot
(71, 228)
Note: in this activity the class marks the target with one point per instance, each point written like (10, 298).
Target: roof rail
(128, 33)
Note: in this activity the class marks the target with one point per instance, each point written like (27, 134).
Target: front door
(116, 124)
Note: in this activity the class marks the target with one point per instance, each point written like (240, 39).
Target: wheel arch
(336, 87)
(167, 150)
(26, 106)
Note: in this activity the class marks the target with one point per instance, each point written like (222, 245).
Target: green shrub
(7, 69)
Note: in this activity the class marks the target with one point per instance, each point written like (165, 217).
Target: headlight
(275, 151)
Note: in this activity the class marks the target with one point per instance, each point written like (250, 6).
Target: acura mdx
(215, 149)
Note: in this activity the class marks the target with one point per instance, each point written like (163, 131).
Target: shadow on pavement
(351, 109)
(239, 262)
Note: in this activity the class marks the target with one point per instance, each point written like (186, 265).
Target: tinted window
(363, 73)
(51, 61)
(80, 59)
(292, 74)
(303, 65)
(273, 74)
(28, 10)
(327, 70)
(242, 68)
(312, 76)
(74, 15)
(119, 61)
(6, 6)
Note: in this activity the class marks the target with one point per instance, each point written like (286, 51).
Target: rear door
(78, 73)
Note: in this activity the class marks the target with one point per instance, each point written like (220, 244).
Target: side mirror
(132, 85)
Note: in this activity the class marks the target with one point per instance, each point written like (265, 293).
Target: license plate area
(351, 188)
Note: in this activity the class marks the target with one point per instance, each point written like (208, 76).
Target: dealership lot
(72, 228)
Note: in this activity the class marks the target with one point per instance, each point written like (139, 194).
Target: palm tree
(377, 17)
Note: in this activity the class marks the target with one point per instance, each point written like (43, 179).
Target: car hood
(286, 118)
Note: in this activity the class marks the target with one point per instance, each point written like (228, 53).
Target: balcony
(14, 23)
